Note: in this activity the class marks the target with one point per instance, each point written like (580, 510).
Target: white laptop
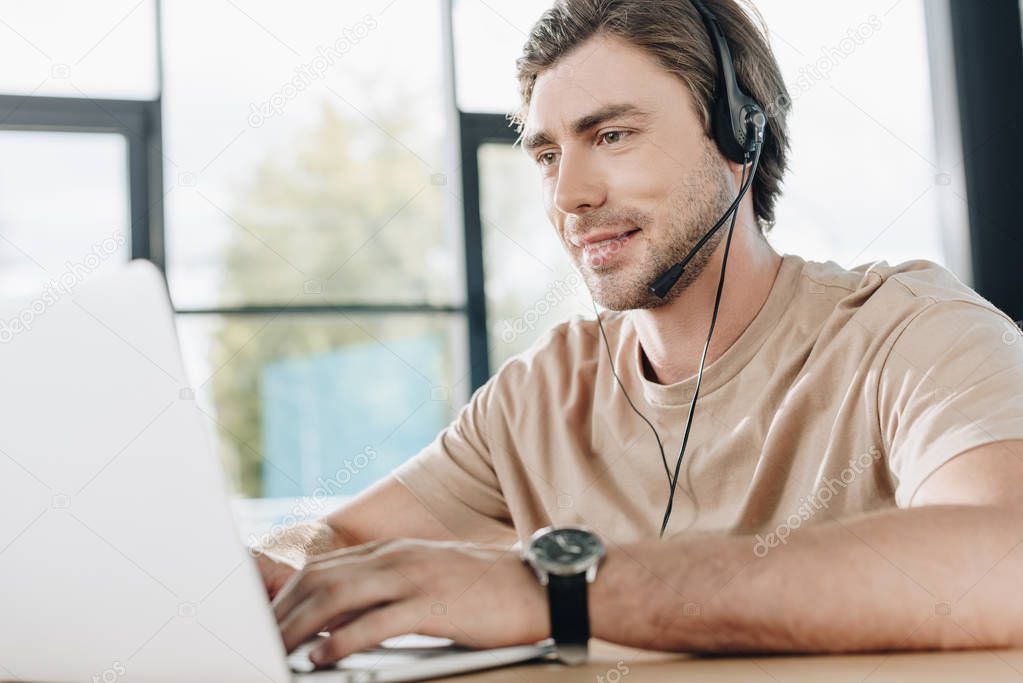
(119, 559)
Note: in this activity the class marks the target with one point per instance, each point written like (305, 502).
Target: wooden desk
(615, 664)
(608, 664)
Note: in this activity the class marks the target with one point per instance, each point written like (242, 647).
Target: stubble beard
(691, 210)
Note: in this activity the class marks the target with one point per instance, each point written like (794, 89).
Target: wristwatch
(565, 559)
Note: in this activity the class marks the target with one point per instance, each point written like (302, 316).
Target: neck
(672, 336)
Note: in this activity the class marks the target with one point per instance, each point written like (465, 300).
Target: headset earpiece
(737, 121)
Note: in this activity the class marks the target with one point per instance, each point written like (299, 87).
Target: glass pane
(305, 159)
(488, 38)
(531, 285)
(323, 405)
(63, 209)
(79, 49)
(863, 183)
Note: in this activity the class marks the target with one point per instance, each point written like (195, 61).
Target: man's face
(630, 180)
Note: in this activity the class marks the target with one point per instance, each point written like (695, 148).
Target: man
(850, 480)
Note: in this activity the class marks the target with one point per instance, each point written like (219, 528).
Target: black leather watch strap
(570, 614)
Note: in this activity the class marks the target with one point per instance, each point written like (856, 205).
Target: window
(295, 165)
(488, 38)
(530, 282)
(863, 184)
(310, 250)
(60, 243)
(79, 49)
(296, 398)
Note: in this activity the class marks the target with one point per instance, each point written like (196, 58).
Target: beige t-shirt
(845, 392)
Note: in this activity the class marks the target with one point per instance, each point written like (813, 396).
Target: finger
(293, 591)
(343, 619)
(332, 601)
(300, 584)
(274, 586)
(370, 629)
(274, 576)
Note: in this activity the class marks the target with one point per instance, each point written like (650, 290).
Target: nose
(581, 186)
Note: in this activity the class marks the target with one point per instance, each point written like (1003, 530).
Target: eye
(610, 137)
(545, 158)
(613, 136)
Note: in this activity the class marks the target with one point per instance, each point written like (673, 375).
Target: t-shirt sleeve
(952, 381)
(454, 477)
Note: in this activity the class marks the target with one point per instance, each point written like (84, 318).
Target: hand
(275, 570)
(479, 596)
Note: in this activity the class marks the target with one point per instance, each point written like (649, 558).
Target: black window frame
(138, 121)
(988, 53)
(476, 130)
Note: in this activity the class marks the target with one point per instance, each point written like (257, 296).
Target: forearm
(387, 510)
(932, 577)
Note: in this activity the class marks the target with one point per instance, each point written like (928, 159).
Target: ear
(736, 171)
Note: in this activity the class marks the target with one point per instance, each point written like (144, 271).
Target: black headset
(737, 117)
(739, 126)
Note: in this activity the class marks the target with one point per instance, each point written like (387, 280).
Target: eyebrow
(611, 111)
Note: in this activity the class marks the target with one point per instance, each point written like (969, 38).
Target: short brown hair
(673, 32)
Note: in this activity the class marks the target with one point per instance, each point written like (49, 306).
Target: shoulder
(920, 308)
(560, 364)
(913, 279)
(919, 281)
(932, 296)
(884, 296)
(565, 347)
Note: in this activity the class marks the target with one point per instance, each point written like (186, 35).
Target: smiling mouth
(609, 240)
(623, 236)
(597, 254)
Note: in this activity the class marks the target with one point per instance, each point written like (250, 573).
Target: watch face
(567, 550)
